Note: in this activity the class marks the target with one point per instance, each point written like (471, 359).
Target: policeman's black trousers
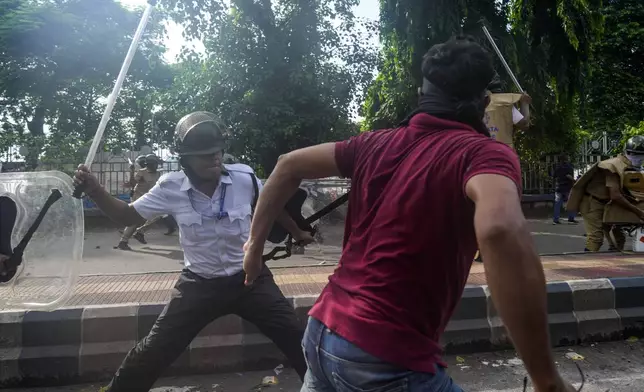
(194, 304)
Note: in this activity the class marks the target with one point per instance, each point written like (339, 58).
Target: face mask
(636, 160)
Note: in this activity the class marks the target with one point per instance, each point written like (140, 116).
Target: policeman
(141, 183)
(212, 203)
(610, 194)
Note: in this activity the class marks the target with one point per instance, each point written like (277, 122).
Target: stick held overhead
(498, 53)
(78, 191)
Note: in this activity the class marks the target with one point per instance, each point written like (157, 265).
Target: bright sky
(174, 41)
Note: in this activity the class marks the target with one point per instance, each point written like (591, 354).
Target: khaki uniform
(498, 117)
(591, 197)
(144, 181)
(498, 120)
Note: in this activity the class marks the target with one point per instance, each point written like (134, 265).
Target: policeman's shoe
(123, 245)
(170, 231)
(573, 221)
(140, 237)
(556, 222)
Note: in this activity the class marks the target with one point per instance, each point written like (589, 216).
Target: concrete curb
(88, 344)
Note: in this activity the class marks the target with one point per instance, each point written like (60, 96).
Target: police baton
(78, 190)
(498, 53)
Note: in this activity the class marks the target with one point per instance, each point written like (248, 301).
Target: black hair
(456, 75)
(460, 67)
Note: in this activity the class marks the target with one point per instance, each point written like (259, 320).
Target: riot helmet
(141, 160)
(199, 133)
(634, 150)
(152, 161)
(635, 145)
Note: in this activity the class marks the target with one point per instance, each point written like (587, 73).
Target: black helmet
(152, 158)
(635, 145)
(495, 86)
(141, 160)
(199, 133)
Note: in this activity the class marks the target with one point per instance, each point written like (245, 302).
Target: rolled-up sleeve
(494, 158)
(152, 204)
(347, 153)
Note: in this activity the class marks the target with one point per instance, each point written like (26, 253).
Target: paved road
(162, 253)
(614, 367)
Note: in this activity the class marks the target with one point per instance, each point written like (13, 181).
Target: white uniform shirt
(212, 245)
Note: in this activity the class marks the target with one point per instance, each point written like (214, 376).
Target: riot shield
(50, 260)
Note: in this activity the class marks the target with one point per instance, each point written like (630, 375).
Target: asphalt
(607, 367)
(163, 253)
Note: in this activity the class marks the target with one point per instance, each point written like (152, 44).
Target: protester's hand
(253, 262)
(303, 238)
(525, 98)
(83, 176)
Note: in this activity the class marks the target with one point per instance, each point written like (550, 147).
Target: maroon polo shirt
(409, 236)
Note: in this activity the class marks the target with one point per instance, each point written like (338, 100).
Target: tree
(629, 132)
(282, 74)
(58, 62)
(547, 44)
(615, 89)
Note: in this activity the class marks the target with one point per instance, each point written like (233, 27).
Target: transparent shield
(52, 258)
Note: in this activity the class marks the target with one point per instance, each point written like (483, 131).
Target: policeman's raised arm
(116, 209)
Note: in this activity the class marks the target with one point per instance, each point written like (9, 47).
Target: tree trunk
(37, 130)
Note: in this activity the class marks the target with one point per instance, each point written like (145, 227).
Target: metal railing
(537, 177)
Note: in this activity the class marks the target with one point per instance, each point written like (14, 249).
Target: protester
(422, 196)
(501, 115)
(141, 182)
(212, 203)
(605, 195)
(564, 179)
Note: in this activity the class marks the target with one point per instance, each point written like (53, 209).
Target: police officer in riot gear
(141, 182)
(212, 203)
(609, 195)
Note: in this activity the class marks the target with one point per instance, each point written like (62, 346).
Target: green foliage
(615, 88)
(282, 74)
(58, 63)
(629, 132)
(547, 44)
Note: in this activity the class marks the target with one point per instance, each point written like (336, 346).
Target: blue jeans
(561, 197)
(335, 365)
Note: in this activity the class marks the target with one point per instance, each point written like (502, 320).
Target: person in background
(564, 180)
(423, 197)
(609, 194)
(502, 117)
(141, 182)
